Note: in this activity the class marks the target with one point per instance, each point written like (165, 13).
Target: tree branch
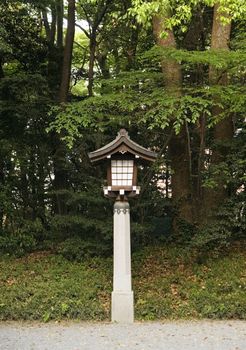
(101, 14)
(84, 30)
(87, 18)
(81, 46)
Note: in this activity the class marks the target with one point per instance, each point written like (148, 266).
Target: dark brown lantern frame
(122, 148)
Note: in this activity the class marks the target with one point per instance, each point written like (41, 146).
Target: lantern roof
(122, 144)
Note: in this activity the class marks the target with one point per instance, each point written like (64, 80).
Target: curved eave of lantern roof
(122, 144)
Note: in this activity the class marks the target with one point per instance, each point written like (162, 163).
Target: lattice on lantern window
(122, 172)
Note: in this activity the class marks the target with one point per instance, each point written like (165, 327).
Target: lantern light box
(123, 156)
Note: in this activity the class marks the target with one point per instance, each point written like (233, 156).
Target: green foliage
(179, 13)
(185, 232)
(220, 59)
(139, 98)
(45, 288)
(178, 287)
(226, 225)
(18, 244)
(141, 235)
(73, 225)
(36, 229)
(77, 249)
(5, 48)
(27, 237)
(230, 172)
(228, 222)
(129, 91)
(23, 42)
(167, 282)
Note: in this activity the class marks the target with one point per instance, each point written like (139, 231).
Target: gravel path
(197, 335)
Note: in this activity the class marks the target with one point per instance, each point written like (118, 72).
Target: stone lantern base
(122, 307)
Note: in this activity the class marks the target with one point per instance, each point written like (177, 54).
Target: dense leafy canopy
(119, 78)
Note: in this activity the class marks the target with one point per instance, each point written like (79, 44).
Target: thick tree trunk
(223, 130)
(178, 146)
(171, 68)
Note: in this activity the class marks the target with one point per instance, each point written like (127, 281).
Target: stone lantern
(123, 157)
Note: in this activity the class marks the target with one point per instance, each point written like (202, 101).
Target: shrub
(17, 245)
(140, 235)
(227, 225)
(68, 226)
(36, 229)
(77, 249)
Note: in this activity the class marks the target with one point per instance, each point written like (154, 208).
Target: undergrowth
(168, 282)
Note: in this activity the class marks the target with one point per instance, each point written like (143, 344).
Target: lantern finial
(123, 132)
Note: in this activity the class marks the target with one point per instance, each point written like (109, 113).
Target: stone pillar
(122, 295)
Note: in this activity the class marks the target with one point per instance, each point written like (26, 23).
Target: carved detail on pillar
(119, 211)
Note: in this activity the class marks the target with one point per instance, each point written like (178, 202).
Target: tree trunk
(67, 57)
(59, 159)
(1, 68)
(101, 11)
(93, 45)
(24, 191)
(102, 61)
(132, 47)
(54, 57)
(46, 24)
(41, 162)
(223, 130)
(103, 64)
(60, 183)
(2, 178)
(178, 146)
(53, 25)
(59, 18)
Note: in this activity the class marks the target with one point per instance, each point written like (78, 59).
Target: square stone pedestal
(122, 307)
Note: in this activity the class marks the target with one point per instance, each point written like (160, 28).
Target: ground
(168, 283)
(186, 335)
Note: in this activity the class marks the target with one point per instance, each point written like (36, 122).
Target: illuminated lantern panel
(122, 172)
